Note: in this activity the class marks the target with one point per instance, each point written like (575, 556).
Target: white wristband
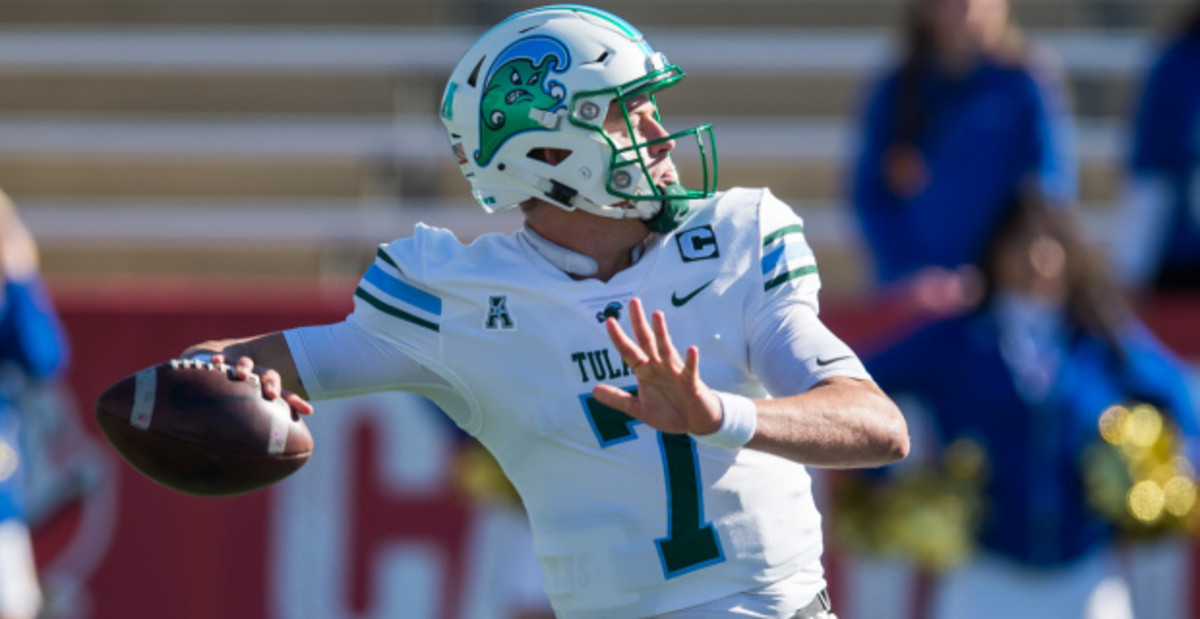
(739, 418)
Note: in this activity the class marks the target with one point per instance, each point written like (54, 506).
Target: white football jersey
(627, 521)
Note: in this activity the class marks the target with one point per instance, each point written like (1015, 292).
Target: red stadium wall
(371, 526)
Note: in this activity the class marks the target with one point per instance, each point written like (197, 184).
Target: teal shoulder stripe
(395, 311)
(790, 275)
(388, 259)
(782, 232)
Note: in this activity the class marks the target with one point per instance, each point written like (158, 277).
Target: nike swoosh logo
(679, 301)
(824, 362)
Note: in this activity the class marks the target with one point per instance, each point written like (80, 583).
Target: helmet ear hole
(551, 156)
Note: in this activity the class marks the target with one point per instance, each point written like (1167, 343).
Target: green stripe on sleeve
(790, 275)
(395, 311)
(388, 259)
(782, 232)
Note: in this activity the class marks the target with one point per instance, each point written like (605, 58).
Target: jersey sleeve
(876, 130)
(794, 351)
(877, 210)
(30, 333)
(1052, 139)
(790, 348)
(395, 301)
(341, 359)
(1159, 142)
(788, 266)
(1155, 374)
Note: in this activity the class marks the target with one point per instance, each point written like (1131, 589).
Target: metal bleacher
(287, 137)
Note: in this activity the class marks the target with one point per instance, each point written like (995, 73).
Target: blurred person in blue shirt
(1159, 223)
(1026, 375)
(969, 114)
(32, 347)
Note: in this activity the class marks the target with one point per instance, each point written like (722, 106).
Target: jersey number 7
(690, 543)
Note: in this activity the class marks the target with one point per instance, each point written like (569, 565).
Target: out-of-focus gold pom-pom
(1135, 476)
(1179, 496)
(929, 515)
(479, 478)
(964, 460)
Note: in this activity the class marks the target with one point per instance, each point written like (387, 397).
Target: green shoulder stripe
(395, 311)
(790, 275)
(782, 232)
(388, 259)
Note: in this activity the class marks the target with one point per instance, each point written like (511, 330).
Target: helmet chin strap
(671, 212)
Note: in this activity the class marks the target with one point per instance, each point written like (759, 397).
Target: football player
(663, 470)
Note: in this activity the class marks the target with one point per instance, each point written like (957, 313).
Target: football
(192, 427)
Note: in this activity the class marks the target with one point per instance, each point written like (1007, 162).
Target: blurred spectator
(1159, 243)
(1026, 376)
(969, 114)
(31, 348)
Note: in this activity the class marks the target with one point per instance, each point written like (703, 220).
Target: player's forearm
(840, 423)
(268, 351)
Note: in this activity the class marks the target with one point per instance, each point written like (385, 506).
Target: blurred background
(203, 168)
(137, 135)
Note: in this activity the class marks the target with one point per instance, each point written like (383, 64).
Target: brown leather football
(192, 427)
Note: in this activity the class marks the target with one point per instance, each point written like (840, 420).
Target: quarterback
(663, 470)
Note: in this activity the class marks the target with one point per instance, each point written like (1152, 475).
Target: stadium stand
(137, 134)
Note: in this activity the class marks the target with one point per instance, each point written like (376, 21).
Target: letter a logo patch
(498, 316)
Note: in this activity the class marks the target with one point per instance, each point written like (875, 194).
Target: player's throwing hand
(671, 397)
(271, 381)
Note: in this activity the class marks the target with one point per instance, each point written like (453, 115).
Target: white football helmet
(545, 78)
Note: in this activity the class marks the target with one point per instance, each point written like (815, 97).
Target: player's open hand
(670, 397)
(272, 383)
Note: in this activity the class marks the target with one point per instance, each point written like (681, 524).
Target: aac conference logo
(698, 243)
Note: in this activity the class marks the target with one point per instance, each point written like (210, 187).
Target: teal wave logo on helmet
(519, 82)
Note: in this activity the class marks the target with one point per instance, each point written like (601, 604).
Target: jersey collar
(571, 262)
